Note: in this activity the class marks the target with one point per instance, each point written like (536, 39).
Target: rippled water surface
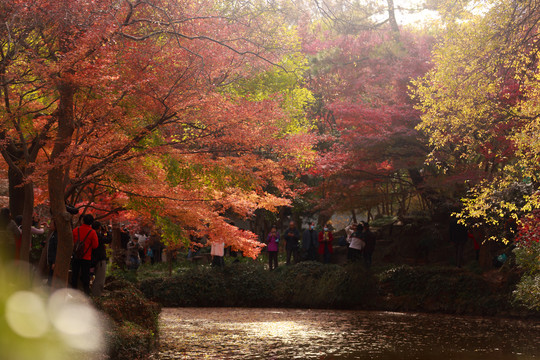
(223, 333)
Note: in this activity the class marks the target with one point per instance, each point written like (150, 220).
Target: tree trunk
(116, 244)
(28, 212)
(56, 179)
(354, 220)
(16, 191)
(392, 19)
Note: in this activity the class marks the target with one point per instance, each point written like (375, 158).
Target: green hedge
(308, 284)
(315, 285)
(446, 289)
(528, 290)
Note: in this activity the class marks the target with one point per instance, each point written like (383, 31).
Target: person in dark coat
(369, 239)
(310, 242)
(125, 237)
(292, 237)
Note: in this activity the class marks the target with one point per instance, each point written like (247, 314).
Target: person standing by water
(349, 231)
(291, 236)
(217, 251)
(310, 242)
(326, 238)
(273, 248)
(356, 242)
(369, 239)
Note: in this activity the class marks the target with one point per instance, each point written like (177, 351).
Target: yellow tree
(481, 110)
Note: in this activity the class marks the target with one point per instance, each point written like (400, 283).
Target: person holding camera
(326, 238)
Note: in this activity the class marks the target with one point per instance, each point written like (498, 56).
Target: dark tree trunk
(27, 214)
(353, 213)
(16, 191)
(56, 179)
(116, 244)
(21, 194)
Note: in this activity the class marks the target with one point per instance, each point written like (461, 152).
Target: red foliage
(529, 229)
(148, 81)
(363, 82)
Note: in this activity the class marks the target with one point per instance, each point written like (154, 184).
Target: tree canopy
(480, 110)
(183, 114)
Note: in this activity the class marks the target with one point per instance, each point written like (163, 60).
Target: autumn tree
(369, 146)
(142, 116)
(480, 111)
(26, 110)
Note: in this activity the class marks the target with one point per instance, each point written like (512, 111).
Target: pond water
(271, 334)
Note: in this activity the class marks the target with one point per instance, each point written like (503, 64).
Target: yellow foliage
(484, 89)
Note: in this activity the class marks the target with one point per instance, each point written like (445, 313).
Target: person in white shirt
(217, 251)
(356, 242)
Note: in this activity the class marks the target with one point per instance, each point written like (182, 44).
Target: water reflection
(270, 334)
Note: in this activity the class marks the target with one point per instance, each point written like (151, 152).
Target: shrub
(528, 259)
(199, 287)
(249, 285)
(444, 289)
(316, 285)
(134, 320)
(130, 341)
(528, 290)
(308, 284)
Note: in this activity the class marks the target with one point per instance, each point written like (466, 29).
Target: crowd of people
(90, 238)
(318, 245)
(89, 258)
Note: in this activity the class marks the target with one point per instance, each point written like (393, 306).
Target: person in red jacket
(81, 263)
(326, 238)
